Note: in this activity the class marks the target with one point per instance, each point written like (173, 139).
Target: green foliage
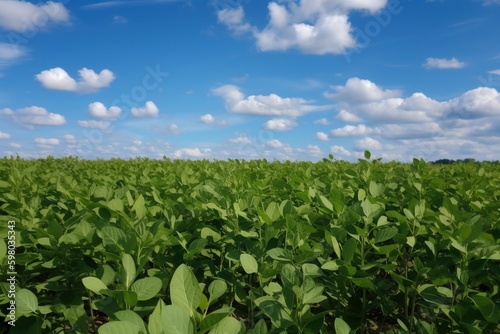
(160, 246)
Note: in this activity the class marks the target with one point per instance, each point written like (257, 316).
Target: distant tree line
(450, 161)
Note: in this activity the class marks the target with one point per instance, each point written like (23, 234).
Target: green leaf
(216, 289)
(279, 254)
(348, 249)
(326, 203)
(146, 288)
(94, 284)
(120, 327)
(139, 207)
(228, 325)
(176, 320)
(113, 236)
(385, 234)
(132, 317)
(341, 327)
(129, 270)
(26, 302)
(3, 249)
(155, 324)
(273, 211)
(489, 310)
(116, 205)
(212, 319)
(249, 263)
(184, 289)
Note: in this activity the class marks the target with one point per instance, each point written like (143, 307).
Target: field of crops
(223, 247)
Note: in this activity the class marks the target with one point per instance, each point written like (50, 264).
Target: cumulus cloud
(101, 125)
(323, 121)
(4, 135)
(350, 130)
(188, 152)
(23, 16)
(149, 110)
(263, 105)
(207, 119)
(339, 150)
(368, 143)
(70, 139)
(240, 140)
(496, 72)
(313, 27)
(443, 63)
(35, 115)
(99, 110)
(89, 81)
(347, 117)
(322, 136)
(47, 141)
(357, 91)
(275, 143)
(279, 124)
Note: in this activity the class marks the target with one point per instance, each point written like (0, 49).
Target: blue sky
(248, 79)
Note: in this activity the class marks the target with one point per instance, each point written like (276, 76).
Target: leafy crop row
(161, 246)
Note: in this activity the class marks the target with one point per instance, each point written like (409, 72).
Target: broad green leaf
(249, 263)
(216, 289)
(184, 289)
(113, 236)
(146, 288)
(129, 270)
(342, 327)
(94, 284)
(176, 320)
(3, 249)
(228, 325)
(215, 317)
(349, 249)
(489, 310)
(155, 323)
(132, 317)
(364, 282)
(273, 211)
(140, 207)
(326, 203)
(120, 327)
(385, 234)
(279, 254)
(116, 205)
(26, 302)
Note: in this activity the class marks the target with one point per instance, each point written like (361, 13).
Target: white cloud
(99, 110)
(70, 139)
(240, 140)
(313, 150)
(34, 115)
(346, 116)
(58, 79)
(101, 125)
(279, 124)
(496, 72)
(350, 130)
(207, 118)
(149, 110)
(10, 53)
(368, 143)
(339, 150)
(15, 145)
(6, 111)
(323, 121)
(275, 143)
(47, 141)
(263, 105)
(313, 27)
(4, 135)
(188, 152)
(321, 136)
(357, 91)
(443, 63)
(23, 16)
